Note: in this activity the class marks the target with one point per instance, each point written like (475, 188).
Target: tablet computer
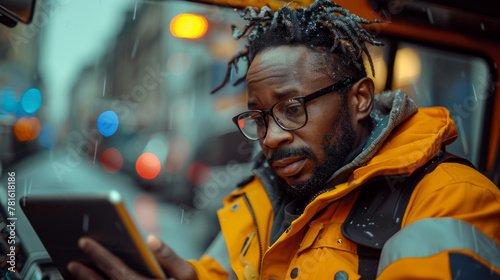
(60, 221)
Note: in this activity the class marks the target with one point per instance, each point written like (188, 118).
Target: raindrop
(415, 89)
(85, 226)
(482, 26)
(104, 87)
(134, 50)
(429, 14)
(135, 10)
(369, 234)
(474, 90)
(397, 220)
(465, 144)
(119, 226)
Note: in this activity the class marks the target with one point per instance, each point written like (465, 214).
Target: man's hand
(114, 268)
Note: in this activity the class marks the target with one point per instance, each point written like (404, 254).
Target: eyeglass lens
(289, 114)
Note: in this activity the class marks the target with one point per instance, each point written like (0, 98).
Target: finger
(175, 266)
(108, 263)
(80, 272)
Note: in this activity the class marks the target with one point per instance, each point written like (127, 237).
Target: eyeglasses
(289, 114)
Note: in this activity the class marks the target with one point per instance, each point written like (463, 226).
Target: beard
(335, 154)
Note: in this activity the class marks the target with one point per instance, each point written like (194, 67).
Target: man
(334, 159)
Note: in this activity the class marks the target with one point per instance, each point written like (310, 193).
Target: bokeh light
(178, 151)
(148, 166)
(111, 160)
(407, 68)
(198, 173)
(147, 213)
(189, 26)
(48, 136)
(157, 145)
(27, 129)
(107, 123)
(8, 101)
(31, 100)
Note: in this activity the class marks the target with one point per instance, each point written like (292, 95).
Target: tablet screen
(60, 221)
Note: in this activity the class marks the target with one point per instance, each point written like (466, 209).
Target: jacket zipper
(256, 228)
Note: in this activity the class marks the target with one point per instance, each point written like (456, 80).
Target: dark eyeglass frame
(303, 99)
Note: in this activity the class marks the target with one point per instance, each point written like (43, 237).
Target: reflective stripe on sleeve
(431, 236)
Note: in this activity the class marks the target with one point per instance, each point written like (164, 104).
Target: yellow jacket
(451, 226)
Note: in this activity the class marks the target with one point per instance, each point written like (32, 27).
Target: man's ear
(360, 100)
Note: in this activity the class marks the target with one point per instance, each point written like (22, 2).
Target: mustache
(292, 152)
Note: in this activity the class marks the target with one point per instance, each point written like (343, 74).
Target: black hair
(323, 24)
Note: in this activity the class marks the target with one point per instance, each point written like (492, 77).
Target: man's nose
(276, 135)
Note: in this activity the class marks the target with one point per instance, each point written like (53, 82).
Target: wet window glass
(457, 81)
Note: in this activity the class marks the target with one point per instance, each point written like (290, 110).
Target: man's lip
(289, 166)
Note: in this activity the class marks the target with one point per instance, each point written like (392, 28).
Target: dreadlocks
(322, 24)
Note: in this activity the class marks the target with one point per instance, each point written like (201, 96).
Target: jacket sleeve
(214, 264)
(208, 268)
(451, 229)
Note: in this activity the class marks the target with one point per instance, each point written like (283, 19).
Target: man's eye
(294, 109)
(259, 120)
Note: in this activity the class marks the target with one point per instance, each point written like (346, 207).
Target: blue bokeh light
(31, 100)
(48, 136)
(107, 123)
(8, 101)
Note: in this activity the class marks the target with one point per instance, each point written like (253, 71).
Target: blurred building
(19, 56)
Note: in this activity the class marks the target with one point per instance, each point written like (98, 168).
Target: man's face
(307, 157)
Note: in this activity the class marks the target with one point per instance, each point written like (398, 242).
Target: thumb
(172, 264)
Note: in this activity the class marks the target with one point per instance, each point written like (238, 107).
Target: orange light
(27, 129)
(188, 26)
(148, 166)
